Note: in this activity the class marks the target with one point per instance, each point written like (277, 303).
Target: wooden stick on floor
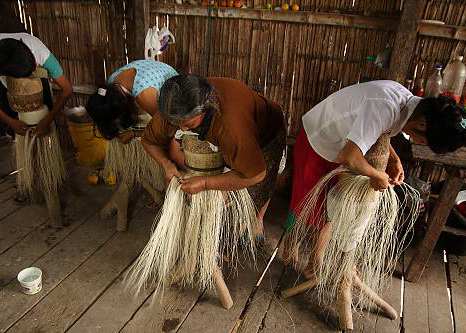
(222, 289)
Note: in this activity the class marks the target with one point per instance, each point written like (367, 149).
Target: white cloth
(38, 49)
(360, 113)
(156, 41)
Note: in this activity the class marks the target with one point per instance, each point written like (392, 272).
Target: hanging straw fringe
(40, 163)
(366, 232)
(189, 236)
(132, 164)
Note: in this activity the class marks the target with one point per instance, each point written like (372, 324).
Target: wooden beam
(141, 25)
(436, 224)
(443, 31)
(405, 39)
(335, 19)
(85, 89)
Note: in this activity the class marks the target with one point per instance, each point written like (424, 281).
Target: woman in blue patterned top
(129, 100)
(121, 113)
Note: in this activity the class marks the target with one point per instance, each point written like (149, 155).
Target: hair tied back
(102, 91)
(461, 125)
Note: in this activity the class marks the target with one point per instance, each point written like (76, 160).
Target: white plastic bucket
(31, 280)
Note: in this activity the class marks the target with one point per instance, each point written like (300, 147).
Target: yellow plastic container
(90, 150)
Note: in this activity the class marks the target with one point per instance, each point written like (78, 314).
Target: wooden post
(141, 25)
(222, 289)
(437, 220)
(405, 39)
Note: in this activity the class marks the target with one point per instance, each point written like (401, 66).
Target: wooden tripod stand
(344, 300)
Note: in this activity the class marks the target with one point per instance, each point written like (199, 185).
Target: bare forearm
(4, 117)
(352, 158)
(231, 181)
(156, 152)
(393, 155)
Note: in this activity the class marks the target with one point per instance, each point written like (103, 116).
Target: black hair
(445, 130)
(111, 113)
(16, 59)
(185, 96)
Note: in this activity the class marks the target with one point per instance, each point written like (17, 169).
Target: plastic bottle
(434, 83)
(454, 76)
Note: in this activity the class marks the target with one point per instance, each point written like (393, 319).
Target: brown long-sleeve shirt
(246, 123)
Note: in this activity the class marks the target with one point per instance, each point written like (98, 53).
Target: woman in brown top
(248, 129)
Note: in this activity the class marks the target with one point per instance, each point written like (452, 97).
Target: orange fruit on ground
(295, 7)
(285, 6)
(92, 179)
(111, 180)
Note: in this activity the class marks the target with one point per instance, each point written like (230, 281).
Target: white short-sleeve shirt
(38, 49)
(360, 113)
(44, 58)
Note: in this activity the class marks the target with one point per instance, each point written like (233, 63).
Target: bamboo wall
(430, 51)
(89, 38)
(294, 64)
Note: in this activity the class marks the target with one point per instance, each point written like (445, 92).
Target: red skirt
(309, 168)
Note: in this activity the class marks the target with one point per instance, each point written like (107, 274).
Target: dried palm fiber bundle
(38, 160)
(131, 165)
(368, 233)
(192, 234)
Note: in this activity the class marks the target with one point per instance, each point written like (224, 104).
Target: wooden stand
(344, 300)
(119, 204)
(53, 207)
(222, 289)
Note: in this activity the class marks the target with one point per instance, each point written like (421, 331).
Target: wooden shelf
(85, 89)
(443, 31)
(305, 17)
(336, 19)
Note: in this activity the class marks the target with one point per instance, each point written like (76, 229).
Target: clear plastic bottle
(434, 83)
(454, 76)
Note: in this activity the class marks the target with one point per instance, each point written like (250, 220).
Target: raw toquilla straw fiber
(193, 233)
(367, 231)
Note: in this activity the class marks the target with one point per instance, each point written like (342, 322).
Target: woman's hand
(380, 182)
(171, 171)
(194, 185)
(43, 127)
(20, 127)
(126, 137)
(395, 171)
